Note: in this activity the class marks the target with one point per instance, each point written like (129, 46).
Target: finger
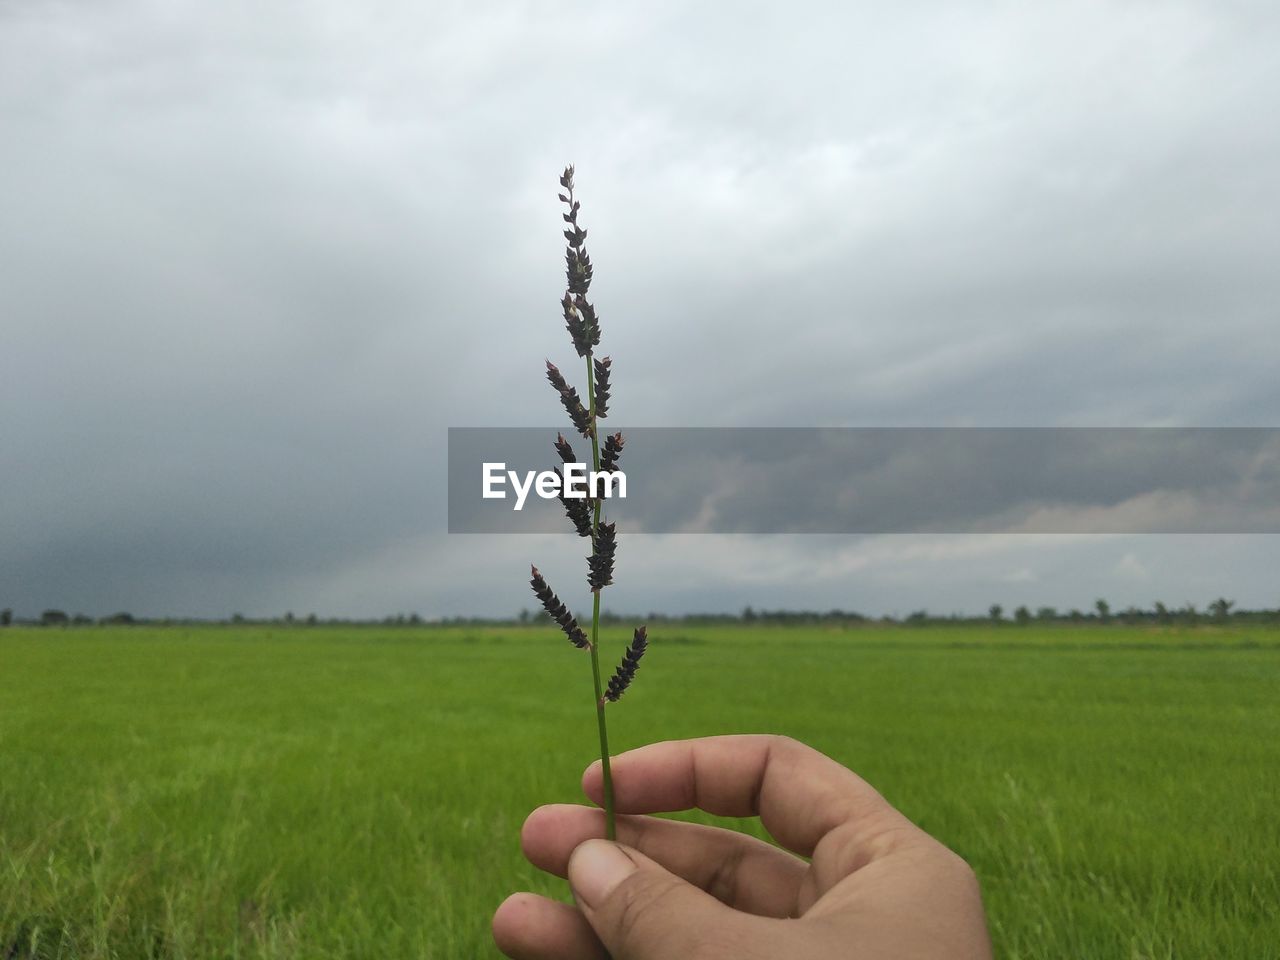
(799, 794)
(741, 871)
(642, 912)
(529, 927)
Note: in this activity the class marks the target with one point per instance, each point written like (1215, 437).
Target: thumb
(640, 911)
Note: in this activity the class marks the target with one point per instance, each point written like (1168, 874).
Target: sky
(258, 259)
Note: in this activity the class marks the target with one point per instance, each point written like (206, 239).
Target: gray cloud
(257, 261)
(897, 480)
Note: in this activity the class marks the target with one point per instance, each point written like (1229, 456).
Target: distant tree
(52, 618)
(1047, 613)
(1104, 610)
(1189, 613)
(118, 618)
(288, 617)
(748, 615)
(312, 619)
(1221, 609)
(1022, 616)
(82, 619)
(237, 618)
(6, 617)
(918, 618)
(1075, 615)
(996, 612)
(1162, 613)
(524, 615)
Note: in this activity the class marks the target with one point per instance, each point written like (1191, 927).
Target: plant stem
(610, 828)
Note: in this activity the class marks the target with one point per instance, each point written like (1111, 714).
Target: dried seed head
(572, 402)
(579, 315)
(558, 611)
(600, 563)
(577, 509)
(577, 270)
(612, 450)
(576, 324)
(566, 451)
(626, 671)
(590, 322)
(602, 386)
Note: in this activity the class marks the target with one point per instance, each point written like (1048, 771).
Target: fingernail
(595, 868)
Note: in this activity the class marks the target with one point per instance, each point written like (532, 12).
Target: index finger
(799, 794)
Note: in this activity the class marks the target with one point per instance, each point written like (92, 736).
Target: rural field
(265, 791)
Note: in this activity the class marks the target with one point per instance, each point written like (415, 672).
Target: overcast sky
(256, 259)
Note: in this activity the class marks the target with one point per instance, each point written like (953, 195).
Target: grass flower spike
(600, 563)
(577, 509)
(626, 671)
(558, 611)
(579, 414)
(583, 326)
(602, 387)
(612, 451)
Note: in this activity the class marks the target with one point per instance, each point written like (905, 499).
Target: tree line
(1218, 611)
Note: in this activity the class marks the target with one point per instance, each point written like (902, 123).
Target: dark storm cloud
(256, 261)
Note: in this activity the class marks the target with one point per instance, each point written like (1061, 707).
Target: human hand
(876, 886)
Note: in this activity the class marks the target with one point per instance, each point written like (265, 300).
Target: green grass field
(357, 792)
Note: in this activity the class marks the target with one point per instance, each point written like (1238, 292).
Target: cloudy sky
(258, 258)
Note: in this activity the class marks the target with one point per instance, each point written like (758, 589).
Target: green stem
(610, 828)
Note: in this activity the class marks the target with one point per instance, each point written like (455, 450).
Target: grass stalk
(610, 824)
(583, 326)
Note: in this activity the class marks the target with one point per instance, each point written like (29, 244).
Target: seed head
(590, 322)
(579, 316)
(577, 509)
(579, 414)
(566, 451)
(600, 563)
(612, 450)
(576, 324)
(626, 671)
(577, 269)
(602, 386)
(558, 611)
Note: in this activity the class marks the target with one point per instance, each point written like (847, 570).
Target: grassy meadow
(312, 792)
